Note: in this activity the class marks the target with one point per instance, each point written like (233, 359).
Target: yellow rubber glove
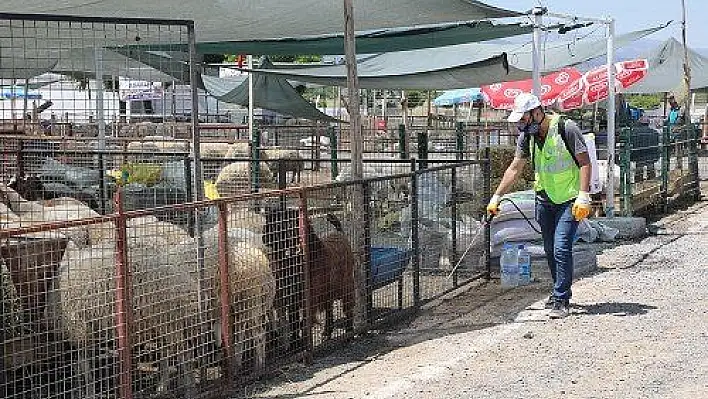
(581, 207)
(493, 206)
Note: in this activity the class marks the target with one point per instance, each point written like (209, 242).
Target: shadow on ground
(480, 305)
(613, 308)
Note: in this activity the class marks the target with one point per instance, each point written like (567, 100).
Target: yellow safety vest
(555, 170)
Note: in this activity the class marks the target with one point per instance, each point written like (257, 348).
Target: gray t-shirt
(572, 135)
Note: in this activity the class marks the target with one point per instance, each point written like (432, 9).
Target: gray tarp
(458, 66)
(666, 69)
(374, 41)
(220, 20)
(270, 92)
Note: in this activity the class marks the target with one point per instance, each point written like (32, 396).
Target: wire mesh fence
(657, 169)
(129, 304)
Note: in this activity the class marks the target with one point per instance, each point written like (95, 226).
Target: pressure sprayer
(485, 223)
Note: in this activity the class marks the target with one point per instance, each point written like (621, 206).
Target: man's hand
(493, 206)
(581, 207)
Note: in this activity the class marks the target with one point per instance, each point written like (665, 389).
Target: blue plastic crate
(387, 264)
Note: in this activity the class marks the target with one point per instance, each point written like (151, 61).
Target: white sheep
(165, 308)
(239, 150)
(252, 286)
(215, 150)
(290, 160)
(235, 179)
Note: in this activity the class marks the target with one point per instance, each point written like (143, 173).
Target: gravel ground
(638, 329)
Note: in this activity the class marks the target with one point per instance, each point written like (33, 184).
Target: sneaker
(549, 302)
(559, 310)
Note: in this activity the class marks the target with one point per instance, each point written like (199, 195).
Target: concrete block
(629, 227)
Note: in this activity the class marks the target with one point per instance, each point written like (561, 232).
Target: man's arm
(512, 173)
(585, 170)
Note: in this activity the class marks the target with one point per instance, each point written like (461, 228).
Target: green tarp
(374, 41)
(458, 66)
(220, 20)
(269, 92)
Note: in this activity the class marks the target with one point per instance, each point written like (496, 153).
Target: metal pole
(100, 118)
(358, 206)
(536, 73)
(227, 327)
(198, 184)
(250, 96)
(123, 315)
(610, 195)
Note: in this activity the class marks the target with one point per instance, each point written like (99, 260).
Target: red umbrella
(502, 95)
(592, 86)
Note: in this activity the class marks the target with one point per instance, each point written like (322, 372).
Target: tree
(415, 98)
(644, 101)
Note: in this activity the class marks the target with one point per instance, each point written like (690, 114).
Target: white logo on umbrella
(512, 93)
(495, 87)
(562, 78)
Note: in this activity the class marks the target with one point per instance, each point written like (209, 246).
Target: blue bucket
(388, 264)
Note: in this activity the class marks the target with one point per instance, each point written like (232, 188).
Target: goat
(330, 265)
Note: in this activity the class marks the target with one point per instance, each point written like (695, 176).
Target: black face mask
(533, 128)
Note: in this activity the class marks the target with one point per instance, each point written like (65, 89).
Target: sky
(631, 15)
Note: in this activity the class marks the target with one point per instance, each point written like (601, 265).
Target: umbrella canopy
(459, 96)
(593, 85)
(502, 95)
(9, 93)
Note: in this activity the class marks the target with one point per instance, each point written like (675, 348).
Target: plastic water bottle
(509, 266)
(524, 261)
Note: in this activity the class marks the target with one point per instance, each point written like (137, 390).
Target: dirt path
(638, 329)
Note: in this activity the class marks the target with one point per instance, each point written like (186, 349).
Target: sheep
(252, 286)
(289, 159)
(331, 267)
(216, 150)
(238, 150)
(235, 179)
(164, 306)
(143, 147)
(166, 144)
(29, 213)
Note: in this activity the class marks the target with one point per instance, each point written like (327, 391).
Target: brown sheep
(331, 269)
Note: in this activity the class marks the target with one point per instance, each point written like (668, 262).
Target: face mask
(531, 128)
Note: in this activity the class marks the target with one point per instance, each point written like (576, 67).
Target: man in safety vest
(562, 176)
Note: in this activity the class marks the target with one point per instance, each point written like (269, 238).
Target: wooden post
(686, 70)
(358, 207)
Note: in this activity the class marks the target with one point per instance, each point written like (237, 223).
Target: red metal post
(304, 232)
(124, 308)
(227, 327)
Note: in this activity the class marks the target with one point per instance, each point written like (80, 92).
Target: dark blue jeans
(558, 227)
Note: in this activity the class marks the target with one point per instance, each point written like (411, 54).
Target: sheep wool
(235, 179)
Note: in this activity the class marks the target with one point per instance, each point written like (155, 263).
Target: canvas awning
(665, 73)
(458, 66)
(373, 41)
(218, 20)
(269, 92)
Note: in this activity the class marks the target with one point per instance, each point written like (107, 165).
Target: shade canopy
(269, 92)
(219, 20)
(665, 72)
(457, 66)
(373, 41)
